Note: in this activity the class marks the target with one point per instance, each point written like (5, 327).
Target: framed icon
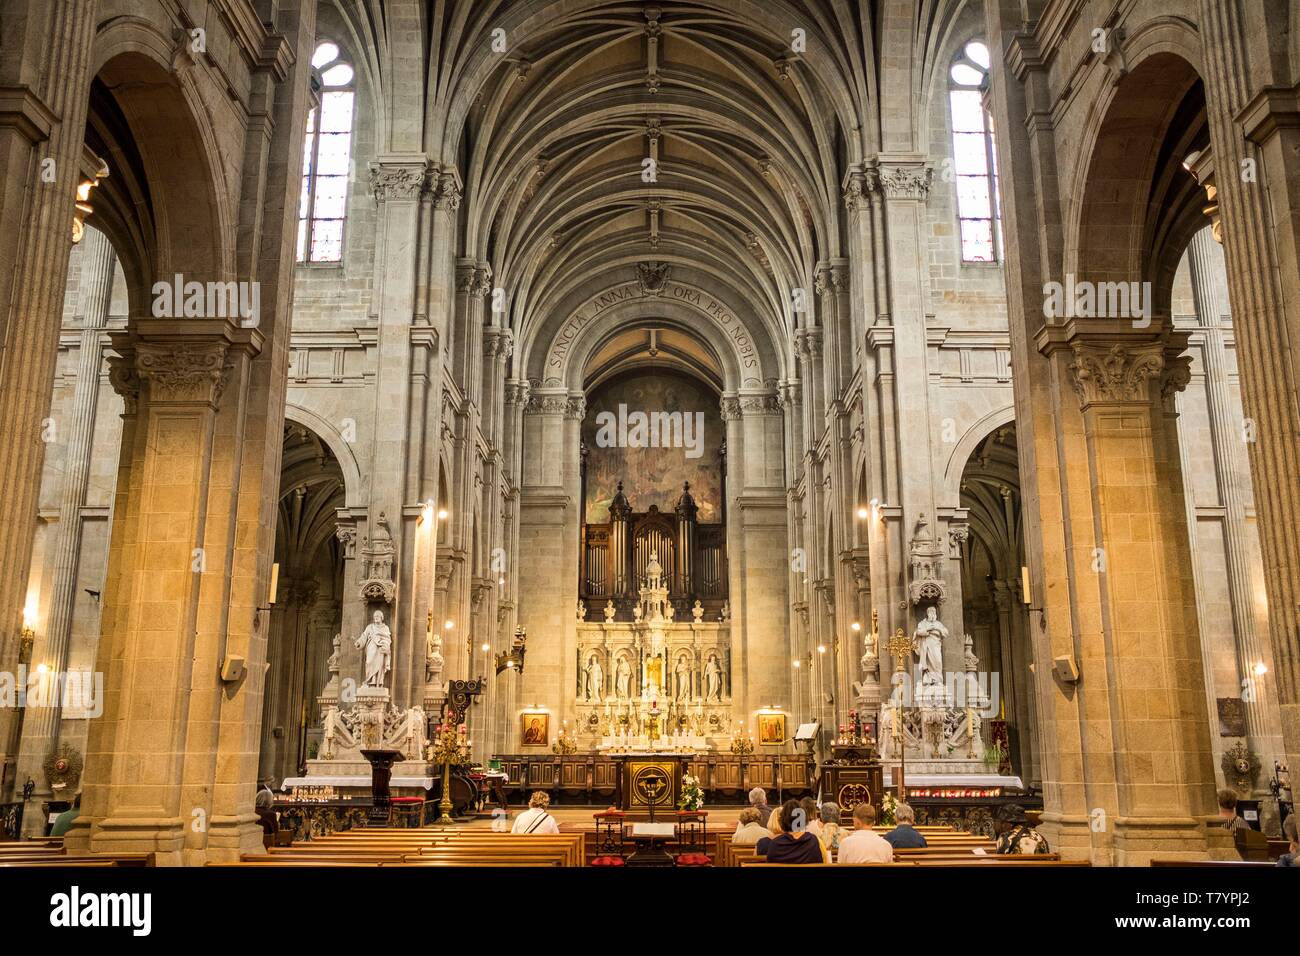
(771, 729)
(534, 729)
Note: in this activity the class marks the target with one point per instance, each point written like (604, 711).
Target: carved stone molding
(499, 343)
(731, 409)
(902, 182)
(517, 392)
(398, 181)
(448, 194)
(855, 190)
(347, 537)
(1115, 375)
(121, 375)
(808, 342)
(576, 408)
(183, 372)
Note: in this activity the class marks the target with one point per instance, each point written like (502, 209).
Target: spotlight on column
(796, 663)
(856, 626)
(442, 515)
(862, 514)
(821, 648)
(1261, 669)
(448, 625)
(486, 648)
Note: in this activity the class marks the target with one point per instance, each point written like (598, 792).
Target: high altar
(654, 682)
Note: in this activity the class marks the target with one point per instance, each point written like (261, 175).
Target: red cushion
(694, 859)
(406, 800)
(609, 861)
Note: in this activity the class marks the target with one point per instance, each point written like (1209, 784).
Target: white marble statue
(594, 683)
(682, 678)
(927, 644)
(582, 610)
(712, 679)
(697, 612)
(333, 663)
(622, 679)
(376, 643)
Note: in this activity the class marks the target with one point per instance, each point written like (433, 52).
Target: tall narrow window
(326, 159)
(974, 157)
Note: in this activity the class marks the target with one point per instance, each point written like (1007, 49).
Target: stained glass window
(326, 160)
(974, 157)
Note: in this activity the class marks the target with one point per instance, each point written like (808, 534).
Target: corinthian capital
(904, 182)
(183, 372)
(1115, 375)
(397, 181)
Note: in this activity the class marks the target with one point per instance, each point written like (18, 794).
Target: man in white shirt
(864, 845)
(536, 819)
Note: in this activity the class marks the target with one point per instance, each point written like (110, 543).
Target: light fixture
(797, 663)
(821, 648)
(448, 624)
(862, 514)
(486, 648)
(1261, 669)
(501, 580)
(856, 626)
(42, 668)
(442, 515)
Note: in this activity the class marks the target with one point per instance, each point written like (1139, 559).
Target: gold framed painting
(771, 729)
(534, 729)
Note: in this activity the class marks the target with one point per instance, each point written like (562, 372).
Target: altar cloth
(424, 783)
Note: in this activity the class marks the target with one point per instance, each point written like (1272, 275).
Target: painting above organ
(653, 472)
(652, 429)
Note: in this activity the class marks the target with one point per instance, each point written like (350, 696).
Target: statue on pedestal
(682, 679)
(697, 612)
(927, 644)
(376, 644)
(610, 611)
(593, 684)
(622, 679)
(332, 665)
(713, 679)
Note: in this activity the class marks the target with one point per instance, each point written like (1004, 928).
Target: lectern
(381, 771)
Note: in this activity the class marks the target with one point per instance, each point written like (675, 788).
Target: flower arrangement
(692, 797)
(888, 804)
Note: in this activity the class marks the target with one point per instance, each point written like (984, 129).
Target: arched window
(326, 159)
(975, 157)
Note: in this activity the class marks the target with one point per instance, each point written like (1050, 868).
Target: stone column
(1141, 694)
(1233, 478)
(41, 724)
(44, 95)
(1259, 226)
(177, 372)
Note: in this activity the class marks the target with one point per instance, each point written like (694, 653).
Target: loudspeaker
(232, 669)
(1066, 669)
